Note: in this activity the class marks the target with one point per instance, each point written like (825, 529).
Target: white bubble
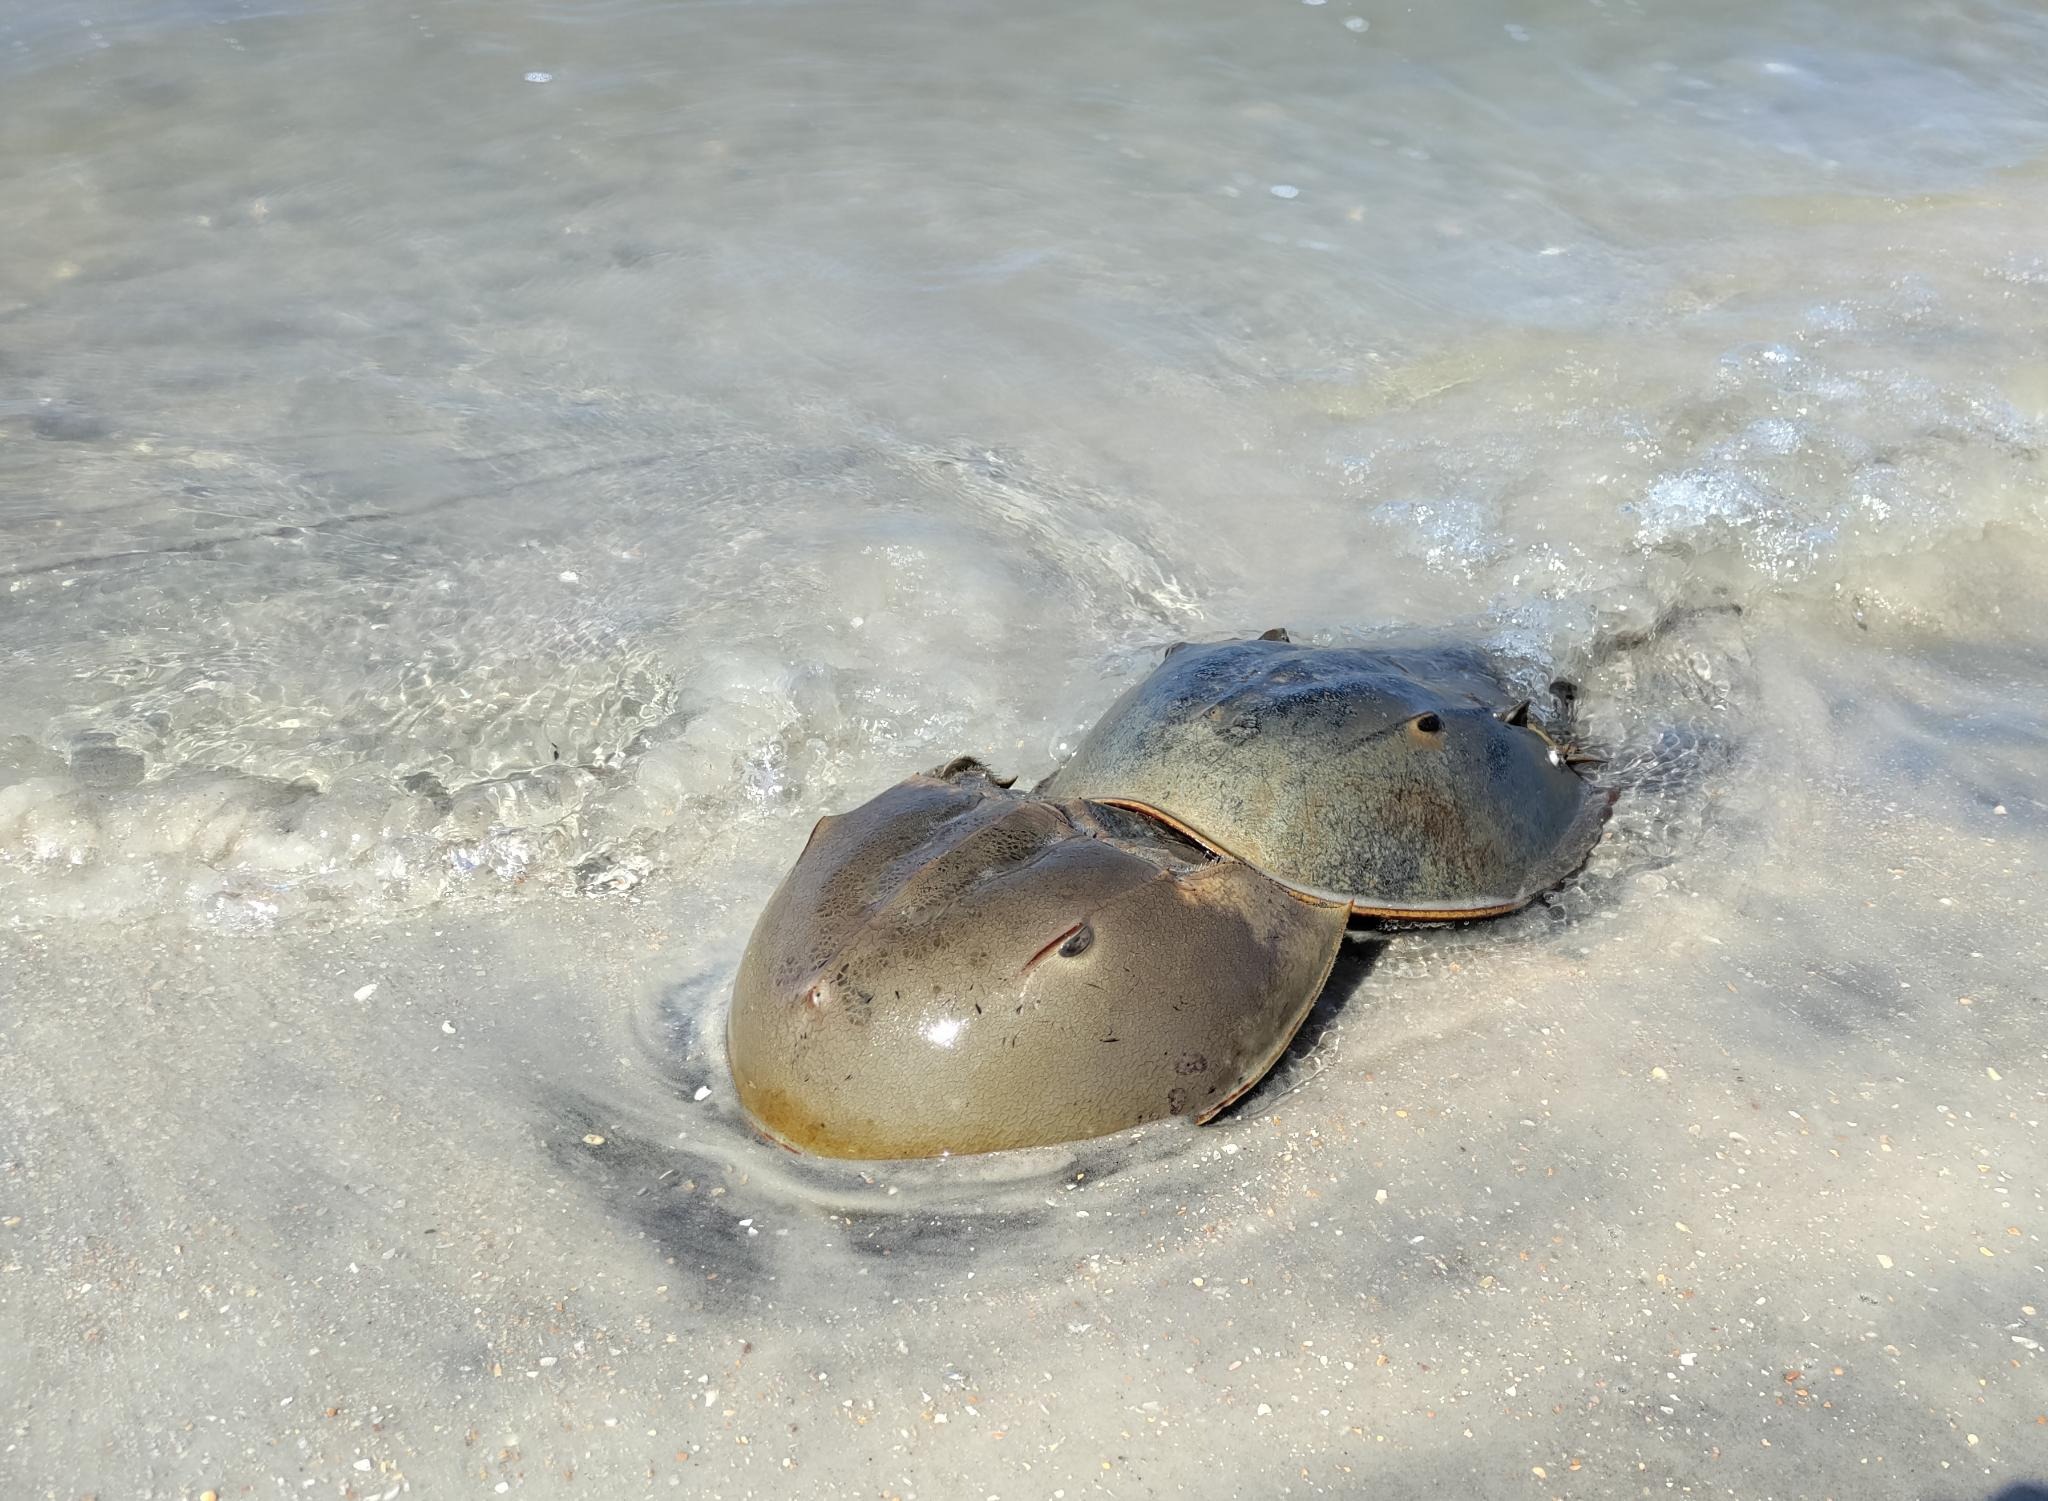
(540, 78)
(1356, 23)
(1284, 190)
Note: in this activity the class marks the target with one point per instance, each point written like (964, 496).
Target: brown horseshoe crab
(954, 967)
(1398, 782)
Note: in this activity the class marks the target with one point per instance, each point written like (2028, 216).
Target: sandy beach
(477, 483)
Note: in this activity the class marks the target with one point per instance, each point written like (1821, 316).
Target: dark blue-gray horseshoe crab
(955, 967)
(1401, 782)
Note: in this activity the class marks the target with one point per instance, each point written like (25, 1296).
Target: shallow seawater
(477, 481)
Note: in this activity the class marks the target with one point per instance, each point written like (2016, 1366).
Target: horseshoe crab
(1383, 779)
(954, 967)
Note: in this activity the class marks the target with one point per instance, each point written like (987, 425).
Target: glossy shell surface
(953, 967)
(1401, 782)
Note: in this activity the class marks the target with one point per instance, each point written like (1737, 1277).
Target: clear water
(477, 480)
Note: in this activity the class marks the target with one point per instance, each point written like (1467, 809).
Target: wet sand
(456, 542)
